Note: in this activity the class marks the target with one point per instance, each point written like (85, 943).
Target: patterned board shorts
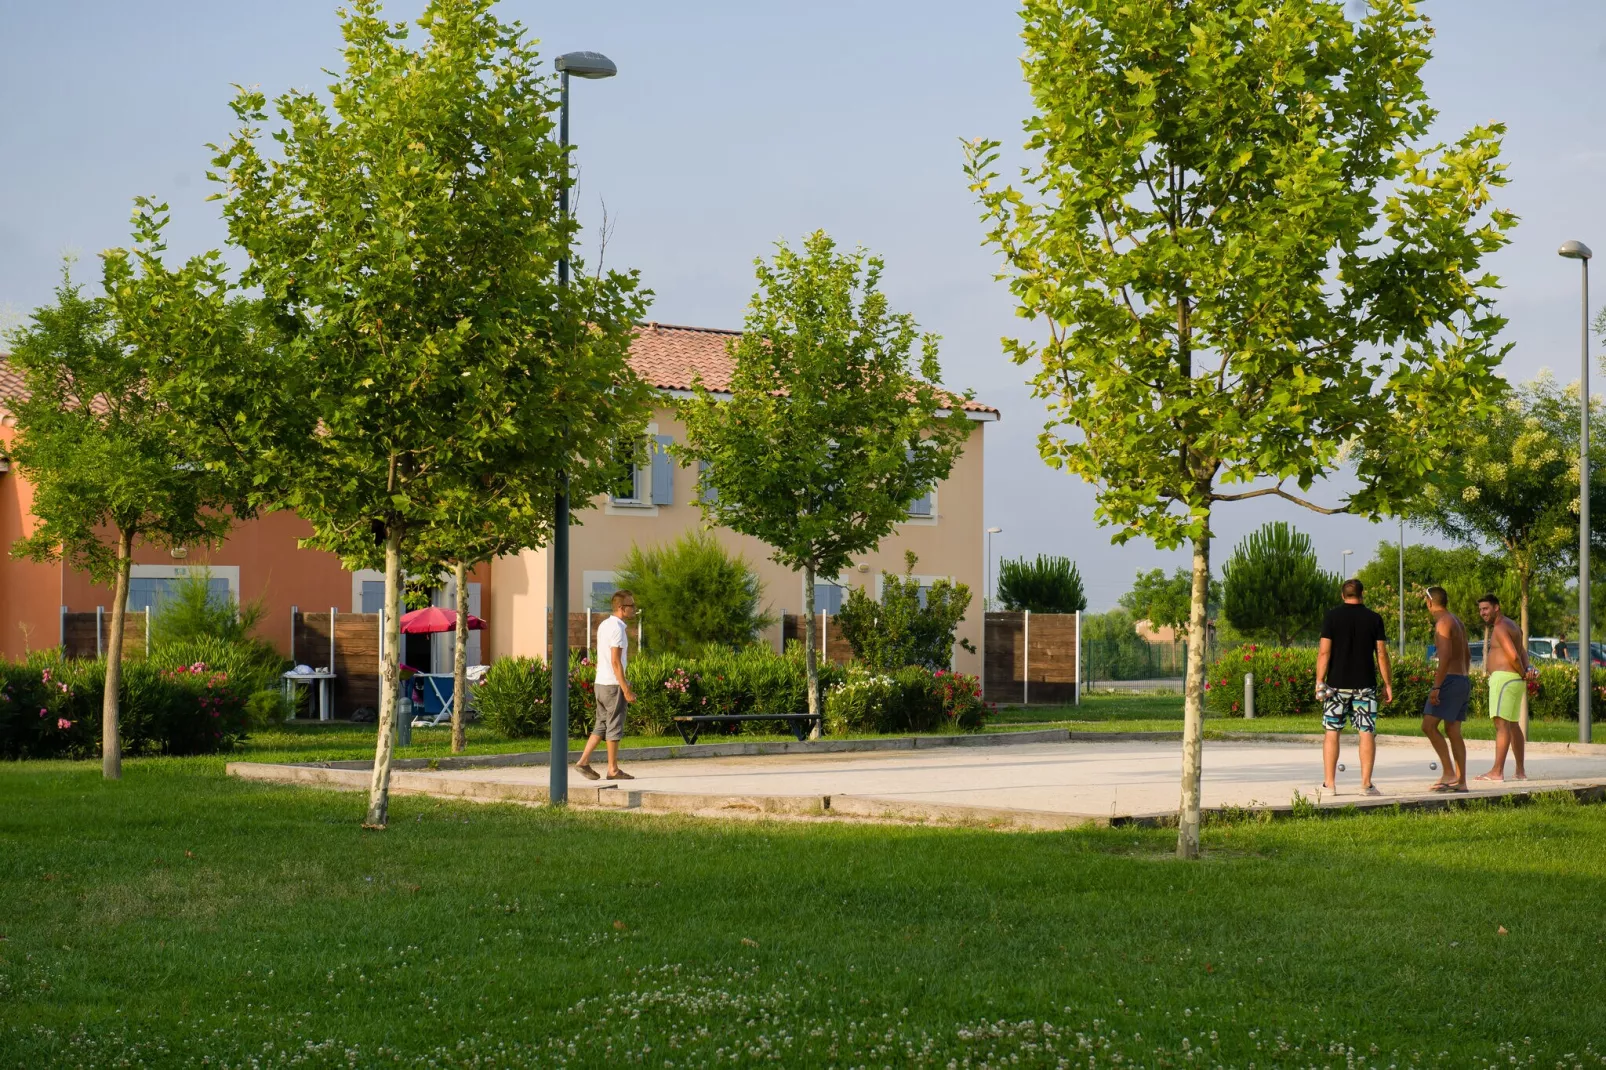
(1341, 705)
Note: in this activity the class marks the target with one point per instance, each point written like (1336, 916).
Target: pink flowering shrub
(51, 708)
(1285, 683)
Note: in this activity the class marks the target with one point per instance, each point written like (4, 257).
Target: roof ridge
(682, 327)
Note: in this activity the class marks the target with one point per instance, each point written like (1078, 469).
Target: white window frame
(173, 572)
(928, 520)
(833, 581)
(641, 482)
(588, 579)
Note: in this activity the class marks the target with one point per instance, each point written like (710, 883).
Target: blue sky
(733, 124)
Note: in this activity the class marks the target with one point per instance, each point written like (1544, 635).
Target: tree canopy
(1244, 265)
(406, 237)
(109, 461)
(833, 426)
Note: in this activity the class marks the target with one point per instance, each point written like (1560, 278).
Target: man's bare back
(1503, 652)
(1450, 636)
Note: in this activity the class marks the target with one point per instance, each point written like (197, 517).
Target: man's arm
(1442, 634)
(619, 673)
(1506, 636)
(1324, 653)
(1383, 667)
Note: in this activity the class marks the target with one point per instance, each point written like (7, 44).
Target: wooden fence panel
(1031, 660)
(79, 634)
(356, 664)
(833, 646)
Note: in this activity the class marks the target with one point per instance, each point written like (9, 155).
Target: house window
(373, 596)
(925, 506)
(151, 586)
(828, 597)
(150, 593)
(647, 474)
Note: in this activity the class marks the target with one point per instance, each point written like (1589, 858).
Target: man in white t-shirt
(612, 689)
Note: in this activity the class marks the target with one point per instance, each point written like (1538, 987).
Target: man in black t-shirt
(1346, 681)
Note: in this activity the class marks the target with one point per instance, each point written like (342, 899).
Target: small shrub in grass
(961, 702)
(266, 707)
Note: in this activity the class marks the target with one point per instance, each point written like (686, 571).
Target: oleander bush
(50, 707)
(913, 699)
(513, 698)
(1285, 685)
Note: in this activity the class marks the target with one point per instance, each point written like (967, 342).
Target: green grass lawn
(1163, 713)
(180, 918)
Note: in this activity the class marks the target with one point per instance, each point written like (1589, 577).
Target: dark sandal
(620, 775)
(588, 772)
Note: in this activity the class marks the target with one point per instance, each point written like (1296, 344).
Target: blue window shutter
(709, 493)
(663, 472)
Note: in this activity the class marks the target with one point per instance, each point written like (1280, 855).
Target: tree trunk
(389, 672)
(811, 659)
(111, 744)
(460, 657)
(1193, 707)
(1525, 580)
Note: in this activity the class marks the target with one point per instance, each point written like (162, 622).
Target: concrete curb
(724, 750)
(862, 807)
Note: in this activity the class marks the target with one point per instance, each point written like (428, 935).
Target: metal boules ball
(1340, 767)
(1433, 766)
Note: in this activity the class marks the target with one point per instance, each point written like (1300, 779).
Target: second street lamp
(581, 65)
(990, 597)
(1577, 250)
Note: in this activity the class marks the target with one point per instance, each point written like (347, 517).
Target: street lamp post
(992, 595)
(581, 65)
(1577, 250)
(1343, 565)
(1402, 588)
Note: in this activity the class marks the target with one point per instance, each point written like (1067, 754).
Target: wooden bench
(691, 726)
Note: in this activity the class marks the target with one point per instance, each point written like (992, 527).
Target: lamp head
(1574, 250)
(994, 531)
(586, 65)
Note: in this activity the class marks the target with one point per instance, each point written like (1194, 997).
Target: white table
(326, 690)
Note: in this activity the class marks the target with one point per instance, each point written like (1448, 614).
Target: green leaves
(1245, 262)
(430, 372)
(99, 434)
(831, 431)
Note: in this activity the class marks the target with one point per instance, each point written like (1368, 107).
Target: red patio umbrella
(433, 619)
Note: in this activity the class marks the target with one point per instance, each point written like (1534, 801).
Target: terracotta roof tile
(666, 356)
(670, 357)
(10, 380)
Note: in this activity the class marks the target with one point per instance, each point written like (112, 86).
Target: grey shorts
(610, 712)
(1455, 695)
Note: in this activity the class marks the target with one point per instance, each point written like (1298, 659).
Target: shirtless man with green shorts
(1506, 657)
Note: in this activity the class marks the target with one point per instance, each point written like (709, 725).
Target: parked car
(1545, 648)
(1597, 653)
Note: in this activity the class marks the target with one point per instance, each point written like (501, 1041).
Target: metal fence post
(1079, 657)
(100, 644)
(1026, 660)
(147, 631)
(293, 612)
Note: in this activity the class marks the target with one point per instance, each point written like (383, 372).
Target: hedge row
(51, 708)
(1285, 686)
(514, 698)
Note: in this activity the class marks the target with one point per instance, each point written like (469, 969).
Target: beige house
(945, 529)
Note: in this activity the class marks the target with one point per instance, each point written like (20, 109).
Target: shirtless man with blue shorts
(1451, 695)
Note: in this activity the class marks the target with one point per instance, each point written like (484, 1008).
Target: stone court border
(413, 776)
